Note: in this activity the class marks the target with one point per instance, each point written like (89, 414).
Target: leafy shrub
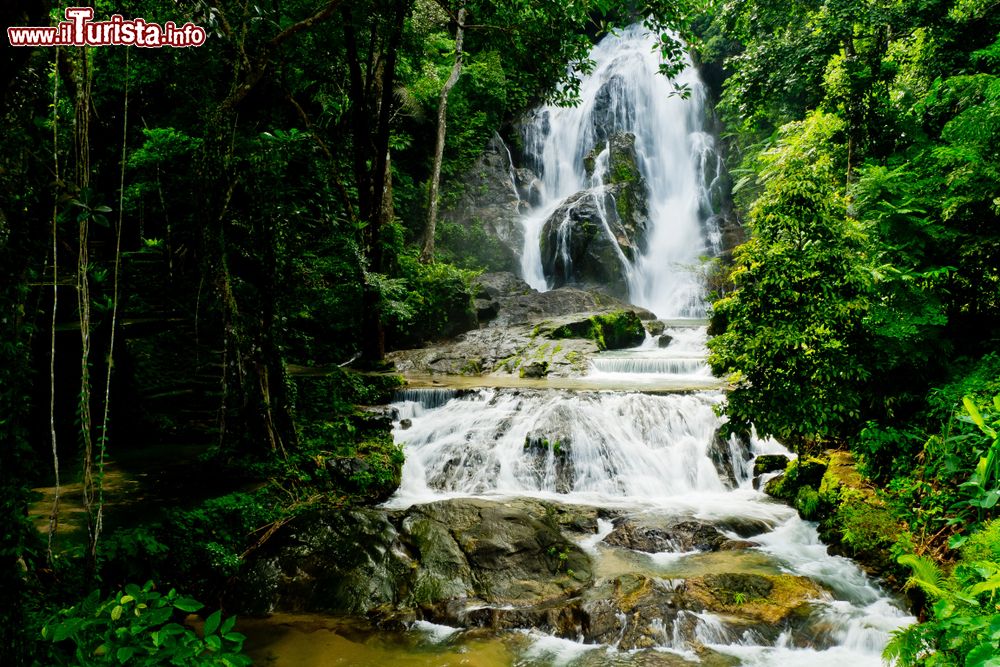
(139, 626)
(983, 545)
(437, 303)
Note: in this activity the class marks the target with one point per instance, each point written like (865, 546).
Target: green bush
(437, 303)
(139, 626)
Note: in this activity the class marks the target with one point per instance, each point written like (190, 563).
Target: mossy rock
(611, 331)
(769, 599)
(799, 473)
(766, 463)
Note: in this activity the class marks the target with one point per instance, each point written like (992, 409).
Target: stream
(636, 440)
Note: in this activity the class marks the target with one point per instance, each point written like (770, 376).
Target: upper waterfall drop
(659, 251)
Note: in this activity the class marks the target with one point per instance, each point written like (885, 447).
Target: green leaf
(984, 655)
(124, 653)
(976, 417)
(214, 642)
(188, 604)
(227, 625)
(987, 586)
(116, 613)
(212, 622)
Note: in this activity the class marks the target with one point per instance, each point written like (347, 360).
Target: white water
(645, 454)
(674, 154)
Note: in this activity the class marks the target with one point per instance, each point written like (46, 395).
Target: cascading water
(645, 455)
(675, 156)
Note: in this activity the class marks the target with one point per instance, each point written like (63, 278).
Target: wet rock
(631, 611)
(730, 455)
(677, 537)
(607, 116)
(655, 327)
(580, 243)
(515, 302)
(801, 473)
(664, 340)
(536, 369)
(435, 557)
(629, 191)
(370, 476)
(766, 463)
(611, 331)
(770, 600)
(504, 350)
(323, 561)
(552, 461)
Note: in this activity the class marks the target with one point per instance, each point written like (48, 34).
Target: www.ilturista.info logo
(79, 29)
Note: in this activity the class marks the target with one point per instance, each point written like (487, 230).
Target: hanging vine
(82, 155)
(99, 522)
(54, 514)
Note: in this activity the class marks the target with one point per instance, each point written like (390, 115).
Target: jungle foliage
(862, 314)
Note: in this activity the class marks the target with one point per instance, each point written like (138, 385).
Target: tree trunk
(427, 254)
(374, 177)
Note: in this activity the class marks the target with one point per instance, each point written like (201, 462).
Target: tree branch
(259, 68)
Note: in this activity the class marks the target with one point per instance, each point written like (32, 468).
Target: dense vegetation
(863, 313)
(193, 242)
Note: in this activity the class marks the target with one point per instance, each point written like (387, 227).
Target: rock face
(579, 244)
(424, 558)
(616, 163)
(494, 193)
(520, 332)
(595, 233)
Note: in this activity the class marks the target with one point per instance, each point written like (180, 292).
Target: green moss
(798, 474)
(808, 503)
(868, 529)
(611, 331)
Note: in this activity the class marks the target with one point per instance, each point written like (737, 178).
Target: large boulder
(439, 558)
(509, 300)
(678, 537)
(579, 244)
(595, 233)
(616, 163)
(607, 117)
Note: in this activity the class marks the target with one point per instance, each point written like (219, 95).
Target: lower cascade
(722, 573)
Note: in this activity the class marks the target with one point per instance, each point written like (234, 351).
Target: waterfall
(640, 454)
(675, 155)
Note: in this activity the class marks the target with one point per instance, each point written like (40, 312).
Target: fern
(926, 575)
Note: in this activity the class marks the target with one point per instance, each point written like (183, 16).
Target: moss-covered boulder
(611, 331)
(770, 599)
(855, 519)
(799, 473)
(766, 463)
